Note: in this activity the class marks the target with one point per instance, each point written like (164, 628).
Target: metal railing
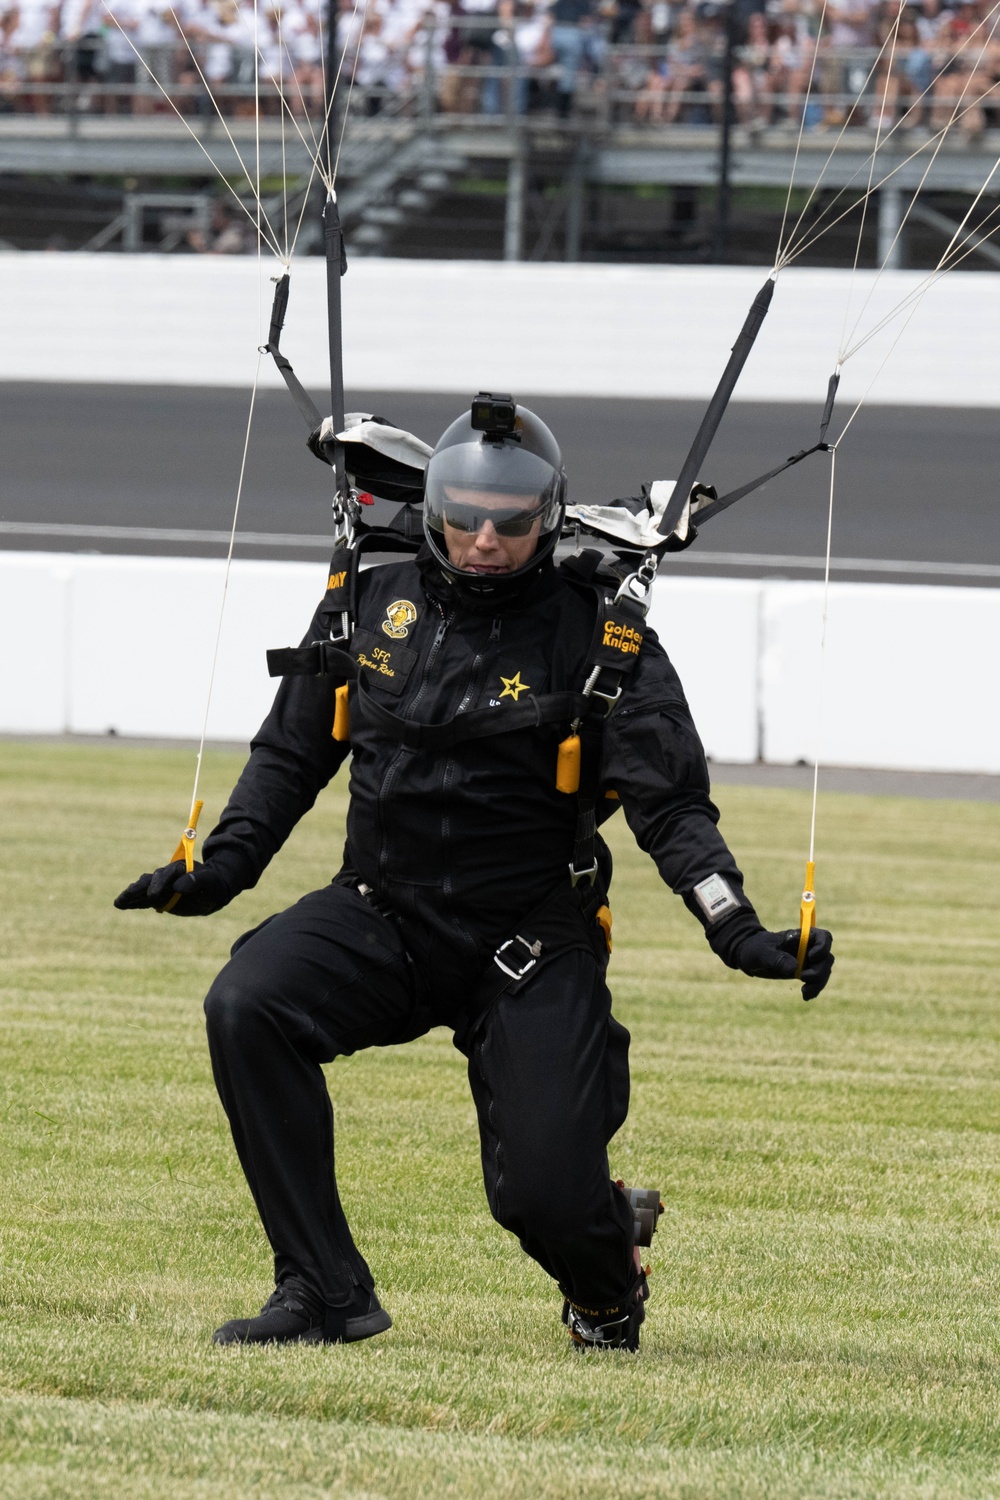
(469, 69)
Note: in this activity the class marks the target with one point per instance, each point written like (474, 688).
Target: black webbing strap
(559, 923)
(479, 724)
(296, 390)
(320, 659)
(725, 501)
(583, 866)
(614, 654)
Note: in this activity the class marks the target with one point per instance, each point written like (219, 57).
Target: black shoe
(609, 1327)
(292, 1316)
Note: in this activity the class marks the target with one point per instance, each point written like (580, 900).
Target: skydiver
(473, 891)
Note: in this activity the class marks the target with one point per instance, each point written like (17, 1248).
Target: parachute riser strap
(296, 390)
(717, 408)
(336, 268)
(725, 501)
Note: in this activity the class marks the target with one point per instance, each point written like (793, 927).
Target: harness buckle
(637, 586)
(576, 876)
(340, 633)
(534, 951)
(591, 690)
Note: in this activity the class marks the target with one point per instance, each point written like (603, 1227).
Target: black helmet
(495, 453)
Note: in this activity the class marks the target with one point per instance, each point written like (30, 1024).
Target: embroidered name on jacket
(387, 665)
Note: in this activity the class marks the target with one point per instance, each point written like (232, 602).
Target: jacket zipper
(390, 775)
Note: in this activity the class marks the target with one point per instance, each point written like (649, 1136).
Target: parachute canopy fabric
(384, 459)
(636, 523)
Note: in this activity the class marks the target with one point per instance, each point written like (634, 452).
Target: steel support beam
(890, 232)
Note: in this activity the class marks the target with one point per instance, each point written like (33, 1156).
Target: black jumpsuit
(455, 849)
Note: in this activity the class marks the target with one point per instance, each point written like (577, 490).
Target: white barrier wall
(125, 643)
(544, 329)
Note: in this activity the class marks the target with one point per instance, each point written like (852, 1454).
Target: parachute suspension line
(287, 113)
(807, 905)
(222, 118)
(844, 350)
(225, 587)
(284, 160)
(818, 229)
(317, 160)
(785, 256)
(188, 838)
(798, 142)
(350, 91)
(272, 243)
(950, 258)
(868, 193)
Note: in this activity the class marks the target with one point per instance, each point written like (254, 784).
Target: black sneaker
(292, 1316)
(609, 1327)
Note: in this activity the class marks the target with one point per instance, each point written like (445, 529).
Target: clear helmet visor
(472, 484)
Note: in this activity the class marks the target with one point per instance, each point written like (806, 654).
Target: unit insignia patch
(398, 618)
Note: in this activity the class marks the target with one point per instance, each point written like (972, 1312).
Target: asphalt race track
(98, 468)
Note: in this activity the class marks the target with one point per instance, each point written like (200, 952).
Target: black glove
(742, 943)
(774, 955)
(201, 892)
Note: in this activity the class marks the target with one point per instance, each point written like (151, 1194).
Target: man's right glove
(201, 892)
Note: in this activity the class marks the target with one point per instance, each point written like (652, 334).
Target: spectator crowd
(653, 61)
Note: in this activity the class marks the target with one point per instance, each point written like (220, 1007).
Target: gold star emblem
(513, 687)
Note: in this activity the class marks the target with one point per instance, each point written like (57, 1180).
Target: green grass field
(825, 1279)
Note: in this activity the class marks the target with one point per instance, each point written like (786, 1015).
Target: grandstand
(539, 129)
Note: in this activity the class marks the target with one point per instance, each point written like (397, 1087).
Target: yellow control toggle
(341, 715)
(807, 915)
(568, 764)
(185, 851)
(603, 916)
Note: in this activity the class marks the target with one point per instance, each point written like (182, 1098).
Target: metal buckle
(575, 875)
(636, 587)
(344, 628)
(534, 950)
(590, 690)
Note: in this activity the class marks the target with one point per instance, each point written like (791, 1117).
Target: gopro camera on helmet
(494, 414)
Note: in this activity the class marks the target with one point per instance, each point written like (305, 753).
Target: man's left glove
(742, 943)
(774, 955)
(201, 892)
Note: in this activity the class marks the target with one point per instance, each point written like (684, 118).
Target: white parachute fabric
(641, 528)
(392, 442)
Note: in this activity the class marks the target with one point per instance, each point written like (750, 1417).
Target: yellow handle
(341, 715)
(603, 916)
(807, 915)
(568, 765)
(185, 851)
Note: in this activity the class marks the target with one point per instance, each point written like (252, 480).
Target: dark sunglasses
(472, 518)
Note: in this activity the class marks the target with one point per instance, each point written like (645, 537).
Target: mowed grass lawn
(826, 1277)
